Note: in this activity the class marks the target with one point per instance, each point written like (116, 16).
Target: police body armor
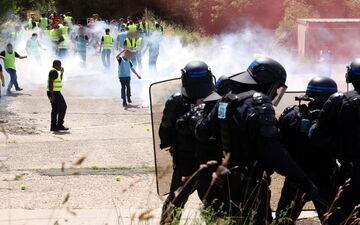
(246, 173)
(226, 110)
(180, 142)
(349, 155)
(295, 137)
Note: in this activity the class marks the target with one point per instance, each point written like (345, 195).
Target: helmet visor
(277, 92)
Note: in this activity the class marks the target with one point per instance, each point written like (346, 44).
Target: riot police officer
(197, 83)
(338, 125)
(318, 163)
(245, 122)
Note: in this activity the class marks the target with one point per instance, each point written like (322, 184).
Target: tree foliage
(22, 7)
(211, 16)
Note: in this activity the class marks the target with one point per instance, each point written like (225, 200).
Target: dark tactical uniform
(247, 127)
(318, 163)
(339, 125)
(208, 152)
(182, 147)
(176, 132)
(252, 137)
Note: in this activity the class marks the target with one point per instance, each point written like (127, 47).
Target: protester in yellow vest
(131, 27)
(58, 104)
(134, 44)
(55, 35)
(33, 47)
(32, 22)
(144, 26)
(63, 45)
(107, 42)
(68, 18)
(156, 26)
(9, 56)
(43, 22)
(64, 28)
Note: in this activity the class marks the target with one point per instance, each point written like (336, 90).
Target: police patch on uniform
(222, 110)
(305, 126)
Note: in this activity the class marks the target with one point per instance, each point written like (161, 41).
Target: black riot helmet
(197, 80)
(222, 86)
(320, 88)
(268, 75)
(353, 72)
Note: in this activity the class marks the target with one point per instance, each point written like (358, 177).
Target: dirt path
(115, 142)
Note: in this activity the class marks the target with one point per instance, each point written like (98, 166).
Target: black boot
(61, 127)
(129, 99)
(54, 128)
(124, 103)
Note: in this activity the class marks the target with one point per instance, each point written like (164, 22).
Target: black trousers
(58, 109)
(125, 87)
(290, 194)
(172, 202)
(243, 195)
(350, 197)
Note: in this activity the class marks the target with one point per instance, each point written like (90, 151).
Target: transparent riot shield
(287, 100)
(160, 92)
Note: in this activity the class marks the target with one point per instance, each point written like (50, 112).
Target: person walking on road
(33, 47)
(125, 66)
(58, 104)
(82, 41)
(107, 42)
(9, 56)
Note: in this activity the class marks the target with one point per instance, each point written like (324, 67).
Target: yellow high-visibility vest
(63, 44)
(159, 29)
(31, 25)
(146, 28)
(57, 84)
(64, 29)
(44, 23)
(134, 44)
(54, 34)
(108, 42)
(132, 28)
(68, 19)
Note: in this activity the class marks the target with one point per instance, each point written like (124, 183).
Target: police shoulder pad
(260, 98)
(176, 97)
(337, 98)
(174, 100)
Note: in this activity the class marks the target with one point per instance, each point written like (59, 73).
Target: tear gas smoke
(225, 53)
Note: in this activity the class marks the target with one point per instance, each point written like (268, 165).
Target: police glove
(183, 124)
(186, 124)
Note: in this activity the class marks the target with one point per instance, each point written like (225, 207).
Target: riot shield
(160, 92)
(287, 100)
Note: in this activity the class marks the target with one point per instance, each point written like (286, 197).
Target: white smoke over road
(225, 53)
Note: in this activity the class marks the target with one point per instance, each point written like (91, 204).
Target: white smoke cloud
(225, 53)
